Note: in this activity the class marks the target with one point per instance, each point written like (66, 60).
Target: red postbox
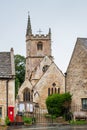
(11, 113)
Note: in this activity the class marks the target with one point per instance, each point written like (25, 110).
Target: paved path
(53, 128)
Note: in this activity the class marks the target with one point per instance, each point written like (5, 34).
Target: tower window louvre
(40, 46)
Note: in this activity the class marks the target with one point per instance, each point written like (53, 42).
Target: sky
(66, 18)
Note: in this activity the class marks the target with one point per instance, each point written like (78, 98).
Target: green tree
(19, 71)
(57, 104)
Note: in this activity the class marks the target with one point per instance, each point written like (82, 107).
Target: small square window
(0, 111)
(84, 103)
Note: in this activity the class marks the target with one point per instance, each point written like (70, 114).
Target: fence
(40, 115)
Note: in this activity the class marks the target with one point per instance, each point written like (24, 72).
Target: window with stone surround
(48, 91)
(84, 103)
(40, 46)
(58, 90)
(53, 89)
(0, 112)
(26, 95)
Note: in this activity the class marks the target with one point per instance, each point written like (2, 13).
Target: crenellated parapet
(38, 37)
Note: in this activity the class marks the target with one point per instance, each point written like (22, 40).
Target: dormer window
(40, 46)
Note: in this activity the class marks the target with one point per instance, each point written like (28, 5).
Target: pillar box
(11, 113)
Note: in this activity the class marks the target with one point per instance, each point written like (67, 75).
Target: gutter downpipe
(7, 95)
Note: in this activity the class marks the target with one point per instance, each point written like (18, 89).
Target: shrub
(57, 104)
(27, 120)
(33, 120)
(7, 121)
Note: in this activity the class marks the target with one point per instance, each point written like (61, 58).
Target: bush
(33, 120)
(27, 120)
(57, 104)
(7, 121)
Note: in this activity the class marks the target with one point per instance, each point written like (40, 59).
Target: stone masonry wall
(53, 75)
(76, 78)
(3, 97)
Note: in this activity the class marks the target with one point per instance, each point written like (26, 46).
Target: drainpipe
(7, 96)
(65, 81)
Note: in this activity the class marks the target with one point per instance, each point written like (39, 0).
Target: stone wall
(53, 75)
(76, 76)
(3, 96)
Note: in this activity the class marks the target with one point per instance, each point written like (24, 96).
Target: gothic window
(26, 94)
(0, 111)
(39, 46)
(84, 103)
(45, 67)
(53, 90)
(48, 91)
(58, 90)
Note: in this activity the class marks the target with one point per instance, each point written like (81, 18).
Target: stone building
(76, 75)
(7, 83)
(42, 77)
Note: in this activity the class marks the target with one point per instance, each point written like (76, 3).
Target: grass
(78, 122)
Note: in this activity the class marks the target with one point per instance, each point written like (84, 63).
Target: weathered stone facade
(51, 79)
(76, 76)
(7, 83)
(43, 77)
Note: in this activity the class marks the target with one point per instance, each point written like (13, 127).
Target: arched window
(53, 89)
(48, 91)
(40, 46)
(26, 95)
(58, 90)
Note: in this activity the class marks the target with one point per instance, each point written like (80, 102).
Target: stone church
(42, 77)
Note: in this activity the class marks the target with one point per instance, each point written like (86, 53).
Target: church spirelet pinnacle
(29, 30)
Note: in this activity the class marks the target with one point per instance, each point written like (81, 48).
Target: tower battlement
(38, 37)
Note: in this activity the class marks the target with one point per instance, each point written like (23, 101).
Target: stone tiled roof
(84, 42)
(5, 65)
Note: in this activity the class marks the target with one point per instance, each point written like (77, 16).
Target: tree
(19, 71)
(57, 104)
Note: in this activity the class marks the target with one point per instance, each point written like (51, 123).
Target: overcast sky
(66, 18)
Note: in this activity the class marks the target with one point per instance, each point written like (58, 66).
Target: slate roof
(5, 65)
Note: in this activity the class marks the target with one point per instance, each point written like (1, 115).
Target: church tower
(43, 77)
(37, 47)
